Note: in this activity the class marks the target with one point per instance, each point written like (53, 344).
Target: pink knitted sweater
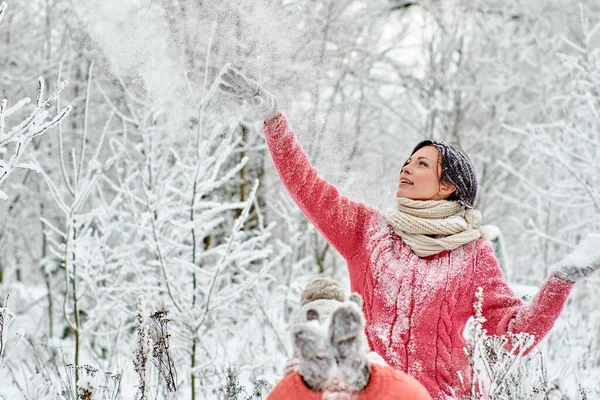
(416, 308)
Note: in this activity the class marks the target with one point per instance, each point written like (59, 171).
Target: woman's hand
(582, 262)
(236, 83)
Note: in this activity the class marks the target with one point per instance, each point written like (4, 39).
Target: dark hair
(457, 169)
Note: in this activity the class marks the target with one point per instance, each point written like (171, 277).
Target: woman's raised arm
(340, 220)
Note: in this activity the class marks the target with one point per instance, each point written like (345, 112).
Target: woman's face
(420, 177)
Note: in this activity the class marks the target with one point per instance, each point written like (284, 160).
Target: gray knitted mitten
(349, 345)
(236, 83)
(580, 263)
(315, 362)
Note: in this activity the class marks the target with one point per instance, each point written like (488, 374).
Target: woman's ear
(446, 189)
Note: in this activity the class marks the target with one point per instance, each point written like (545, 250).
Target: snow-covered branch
(22, 134)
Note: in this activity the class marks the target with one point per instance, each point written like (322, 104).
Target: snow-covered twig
(161, 355)
(142, 351)
(60, 141)
(2, 9)
(473, 347)
(85, 125)
(161, 259)
(22, 134)
(6, 317)
(237, 226)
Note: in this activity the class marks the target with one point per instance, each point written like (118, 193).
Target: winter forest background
(156, 193)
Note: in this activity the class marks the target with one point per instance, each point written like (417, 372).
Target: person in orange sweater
(386, 383)
(332, 358)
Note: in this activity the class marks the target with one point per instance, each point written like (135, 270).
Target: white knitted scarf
(431, 226)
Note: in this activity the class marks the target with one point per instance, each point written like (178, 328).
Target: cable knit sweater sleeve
(507, 313)
(340, 220)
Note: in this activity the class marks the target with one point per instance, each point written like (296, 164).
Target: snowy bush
(501, 368)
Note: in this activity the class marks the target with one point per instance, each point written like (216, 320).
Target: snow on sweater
(416, 308)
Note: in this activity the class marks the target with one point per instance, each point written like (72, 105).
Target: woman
(417, 267)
